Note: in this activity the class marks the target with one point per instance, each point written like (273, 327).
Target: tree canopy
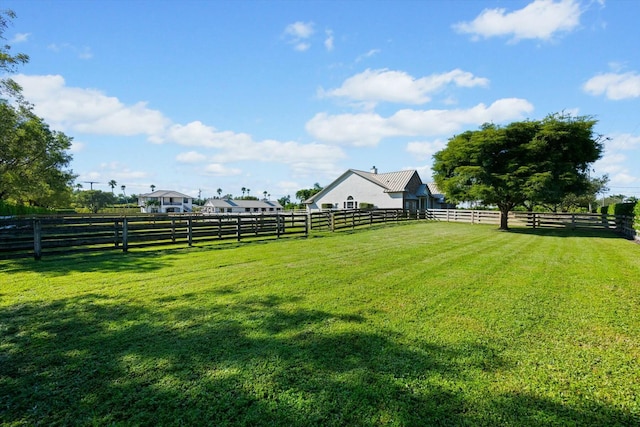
(536, 161)
(33, 158)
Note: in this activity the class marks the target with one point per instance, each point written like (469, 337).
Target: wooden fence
(618, 223)
(43, 235)
(350, 219)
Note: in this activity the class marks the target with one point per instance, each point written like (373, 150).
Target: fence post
(125, 235)
(332, 222)
(37, 239)
(239, 227)
(189, 230)
(306, 225)
(173, 230)
(116, 233)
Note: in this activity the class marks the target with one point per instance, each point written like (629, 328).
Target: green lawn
(416, 324)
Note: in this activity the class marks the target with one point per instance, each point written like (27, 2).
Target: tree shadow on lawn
(566, 232)
(100, 360)
(60, 265)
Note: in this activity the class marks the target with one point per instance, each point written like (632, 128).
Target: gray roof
(165, 193)
(393, 182)
(433, 189)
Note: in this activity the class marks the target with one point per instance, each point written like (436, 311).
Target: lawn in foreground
(417, 324)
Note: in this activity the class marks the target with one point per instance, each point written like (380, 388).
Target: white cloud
(615, 86)
(240, 147)
(298, 33)
(424, 150)
(367, 129)
(328, 42)
(369, 54)
(191, 157)
(217, 169)
(88, 111)
(541, 19)
(20, 38)
(301, 30)
(372, 86)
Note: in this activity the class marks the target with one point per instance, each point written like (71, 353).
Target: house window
(229, 210)
(350, 203)
(185, 200)
(247, 209)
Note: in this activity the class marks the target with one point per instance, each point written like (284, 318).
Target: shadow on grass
(60, 265)
(566, 232)
(101, 360)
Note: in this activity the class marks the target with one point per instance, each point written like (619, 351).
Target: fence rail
(44, 235)
(47, 235)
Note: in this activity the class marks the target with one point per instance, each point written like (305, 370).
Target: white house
(357, 189)
(163, 201)
(217, 206)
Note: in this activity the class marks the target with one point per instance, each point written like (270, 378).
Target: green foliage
(327, 206)
(539, 162)
(306, 193)
(33, 159)
(94, 200)
(416, 325)
(11, 209)
(9, 63)
(365, 205)
(621, 209)
(636, 212)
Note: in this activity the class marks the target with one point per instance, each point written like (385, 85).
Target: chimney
(374, 170)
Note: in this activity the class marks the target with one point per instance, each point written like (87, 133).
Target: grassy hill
(416, 324)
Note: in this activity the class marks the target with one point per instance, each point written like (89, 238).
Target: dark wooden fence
(44, 235)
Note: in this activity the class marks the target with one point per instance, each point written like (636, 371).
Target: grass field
(417, 324)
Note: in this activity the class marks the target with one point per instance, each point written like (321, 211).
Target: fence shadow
(258, 361)
(566, 232)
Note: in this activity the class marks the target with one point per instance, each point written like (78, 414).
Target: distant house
(163, 201)
(218, 206)
(357, 189)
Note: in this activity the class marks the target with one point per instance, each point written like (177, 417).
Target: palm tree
(153, 188)
(219, 191)
(79, 186)
(123, 187)
(264, 193)
(248, 192)
(244, 190)
(112, 184)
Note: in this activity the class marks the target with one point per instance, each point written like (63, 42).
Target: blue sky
(278, 95)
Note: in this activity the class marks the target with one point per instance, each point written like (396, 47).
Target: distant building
(357, 189)
(219, 206)
(163, 201)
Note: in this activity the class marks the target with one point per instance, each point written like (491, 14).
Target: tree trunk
(504, 218)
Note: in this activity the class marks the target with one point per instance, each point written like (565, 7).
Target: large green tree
(536, 161)
(33, 158)
(94, 200)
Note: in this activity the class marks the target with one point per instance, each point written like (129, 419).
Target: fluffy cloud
(615, 86)
(233, 147)
(367, 129)
(424, 150)
(541, 19)
(191, 157)
(87, 110)
(372, 86)
(217, 169)
(298, 34)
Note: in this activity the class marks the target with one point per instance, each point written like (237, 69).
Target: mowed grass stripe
(414, 324)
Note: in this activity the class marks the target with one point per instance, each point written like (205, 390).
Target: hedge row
(9, 209)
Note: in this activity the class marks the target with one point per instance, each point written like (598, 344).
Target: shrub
(10, 209)
(621, 209)
(327, 206)
(636, 211)
(365, 205)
